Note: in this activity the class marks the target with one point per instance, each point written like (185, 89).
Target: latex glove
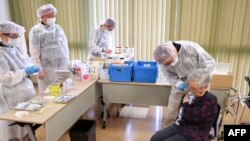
(181, 86)
(31, 70)
(186, 98)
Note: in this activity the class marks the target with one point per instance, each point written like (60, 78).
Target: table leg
(104, 116)
(32, 134)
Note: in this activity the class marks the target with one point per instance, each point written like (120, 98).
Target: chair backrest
(247, 78)
(248, 102)
(216, 120)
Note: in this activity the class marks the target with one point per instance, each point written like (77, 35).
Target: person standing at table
(100, 39)
(15, 86)
(48, 46)
(177, 60)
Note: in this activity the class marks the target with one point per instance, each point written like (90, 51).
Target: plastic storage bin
(121, 73)
(83, 130)
(145, 72)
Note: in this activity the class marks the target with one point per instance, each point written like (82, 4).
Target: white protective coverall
(191, 56)
(99, 39)
(15, 87)
(49, 50)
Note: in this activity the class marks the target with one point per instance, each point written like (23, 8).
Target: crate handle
(119, 69)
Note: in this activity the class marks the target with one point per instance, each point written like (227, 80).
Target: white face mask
(51, 21)
(12, 42)
(174, 62)
(106, 31)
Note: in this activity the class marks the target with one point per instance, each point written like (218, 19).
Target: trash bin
(83, 130)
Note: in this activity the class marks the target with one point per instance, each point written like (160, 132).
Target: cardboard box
(221, 81)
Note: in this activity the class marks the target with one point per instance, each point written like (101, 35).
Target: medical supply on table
(21, 105)
(87, 70)
(55, 88)
(75, 67)
(62, 75)
(63, 98)
(121, 54)
(128, 53)
(38, 100)
(104, 74)
(115, 59)
(94, 70)
(67, 85)
(20, 114)
(118, 50)
(27, 106)
(33, 107)
(77, 71)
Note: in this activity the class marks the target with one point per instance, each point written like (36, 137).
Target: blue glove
(182, 86)
(31, 70)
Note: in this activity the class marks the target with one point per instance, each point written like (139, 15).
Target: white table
(57, 118)
(134, 93)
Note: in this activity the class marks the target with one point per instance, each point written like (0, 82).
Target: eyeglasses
(13, 36)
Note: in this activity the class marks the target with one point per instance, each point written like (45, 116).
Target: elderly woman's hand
(185, 99)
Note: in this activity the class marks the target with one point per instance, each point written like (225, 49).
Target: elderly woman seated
(197, 112)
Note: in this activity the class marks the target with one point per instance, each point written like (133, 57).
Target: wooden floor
(129, 129)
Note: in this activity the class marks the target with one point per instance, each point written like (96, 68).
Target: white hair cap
(46, 9)
(164, 51)
(11, 27)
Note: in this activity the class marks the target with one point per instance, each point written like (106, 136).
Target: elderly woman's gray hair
(201, 76)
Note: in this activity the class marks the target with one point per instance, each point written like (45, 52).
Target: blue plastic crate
(145, 72)
(119, 73)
